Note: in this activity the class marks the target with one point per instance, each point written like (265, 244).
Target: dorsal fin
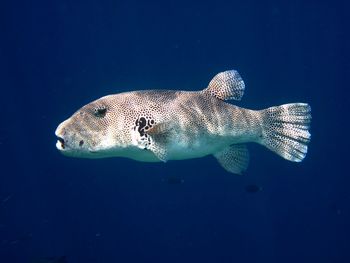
(226, 85)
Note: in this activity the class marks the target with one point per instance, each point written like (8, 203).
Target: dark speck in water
(174, 180)
(253, 188)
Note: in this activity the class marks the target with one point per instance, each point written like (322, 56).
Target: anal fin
(234, 159)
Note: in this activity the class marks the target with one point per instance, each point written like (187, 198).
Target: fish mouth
(60, 144)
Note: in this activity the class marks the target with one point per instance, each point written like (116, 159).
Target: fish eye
(100, 112)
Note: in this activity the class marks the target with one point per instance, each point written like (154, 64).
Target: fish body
(161, 125)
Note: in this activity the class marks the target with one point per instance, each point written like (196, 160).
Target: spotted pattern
(142, 125)
(151, 120)
(184, 124)
(286, 130)
(227, 85)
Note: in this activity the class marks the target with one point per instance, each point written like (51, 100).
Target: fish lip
(60, 144)
(61, 141)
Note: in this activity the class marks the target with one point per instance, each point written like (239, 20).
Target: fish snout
(70, 141)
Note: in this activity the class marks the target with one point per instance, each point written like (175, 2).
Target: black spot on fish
(81, 143)
(141, 123)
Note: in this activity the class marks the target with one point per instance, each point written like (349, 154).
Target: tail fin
(285, 130)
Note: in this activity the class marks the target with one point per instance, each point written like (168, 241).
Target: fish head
(92, 131)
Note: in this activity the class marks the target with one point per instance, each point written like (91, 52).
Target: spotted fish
(162, 125)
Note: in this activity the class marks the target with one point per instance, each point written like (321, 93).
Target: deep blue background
(56, 56)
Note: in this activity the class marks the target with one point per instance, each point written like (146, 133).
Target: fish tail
(285, 130)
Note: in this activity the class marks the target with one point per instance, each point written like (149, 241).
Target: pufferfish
(162, 125)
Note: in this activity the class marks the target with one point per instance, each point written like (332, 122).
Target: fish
(163, 125)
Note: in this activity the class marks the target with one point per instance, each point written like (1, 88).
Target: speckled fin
(286, 130)
(159, 135)
(234, 159)
(226, 85)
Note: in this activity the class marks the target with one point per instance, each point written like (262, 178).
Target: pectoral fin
(234, 159)
(149, 135)
(159, 136)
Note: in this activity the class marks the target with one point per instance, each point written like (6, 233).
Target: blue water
(56, 56)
